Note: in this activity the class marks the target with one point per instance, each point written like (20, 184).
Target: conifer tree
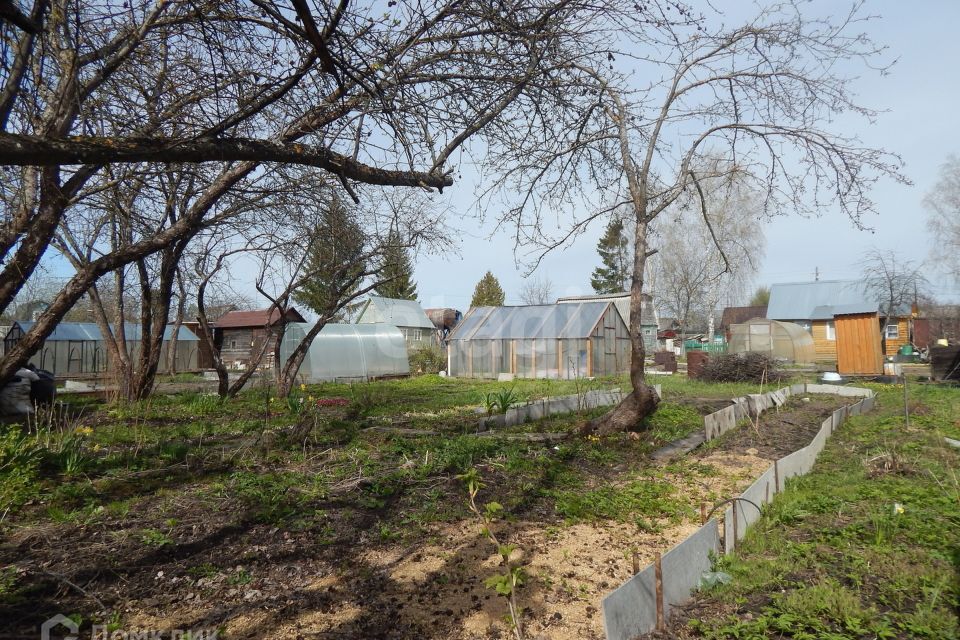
(614, 249)
(397, 273)
(335, 262)
(488, 292)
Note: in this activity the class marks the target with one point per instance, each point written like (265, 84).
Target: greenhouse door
(609, 350)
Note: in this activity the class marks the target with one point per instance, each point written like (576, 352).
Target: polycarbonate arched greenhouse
(348, 352)
(783, 340)
(540, 341)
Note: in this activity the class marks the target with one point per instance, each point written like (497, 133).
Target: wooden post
(559, 359)
(736, 511)
(703, 513)
(636, 563)
(658, 583)
(776, 473)
(589, 357)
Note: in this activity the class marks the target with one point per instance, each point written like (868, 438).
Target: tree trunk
(643, 400)
(290, 368)
(177, 323)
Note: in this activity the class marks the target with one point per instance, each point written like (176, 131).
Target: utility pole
(816, 274)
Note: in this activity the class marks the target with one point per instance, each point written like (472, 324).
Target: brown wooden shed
(858, 344)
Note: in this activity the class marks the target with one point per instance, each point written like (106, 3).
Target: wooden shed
(858, 344)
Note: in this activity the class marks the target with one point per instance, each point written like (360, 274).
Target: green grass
(644, 501)
(835, 557)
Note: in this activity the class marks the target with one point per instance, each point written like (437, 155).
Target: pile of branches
(741, 367)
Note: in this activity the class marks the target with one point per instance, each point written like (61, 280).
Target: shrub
(426, 360)
(741, 367)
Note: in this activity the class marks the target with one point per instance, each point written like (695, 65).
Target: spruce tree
(397, 273)
(614, 249)
(335, 262)
(488, 292)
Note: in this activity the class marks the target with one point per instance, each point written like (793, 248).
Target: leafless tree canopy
(363, 93)
(897, 284)
(943, 221)
(700, 264)
(537, 290)
(763, 96)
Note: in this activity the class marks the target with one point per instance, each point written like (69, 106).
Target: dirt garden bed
(311, 543)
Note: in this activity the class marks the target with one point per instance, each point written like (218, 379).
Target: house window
(831, 330)
(416, 334)
(893, 331)
(233, 344)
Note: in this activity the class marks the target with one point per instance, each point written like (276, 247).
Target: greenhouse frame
(569, 340)
(77, 348)
(782, 340)
(348, 352)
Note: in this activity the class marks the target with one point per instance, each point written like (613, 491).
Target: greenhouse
(348, 352)
(783, 340)
(540, 341)
(77, 348)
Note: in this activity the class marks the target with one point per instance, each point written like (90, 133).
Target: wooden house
(407, 315)
(847, 324)
(240, 335)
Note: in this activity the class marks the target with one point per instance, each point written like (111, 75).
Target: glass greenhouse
(77, 348)
(776, 339)
(348, 352)
(540, 341)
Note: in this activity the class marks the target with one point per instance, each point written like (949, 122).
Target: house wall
(418, 337)
(238, 346)
(825, 350)
(893, 344)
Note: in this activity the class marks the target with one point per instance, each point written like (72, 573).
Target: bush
(427, 360)
(741, 367)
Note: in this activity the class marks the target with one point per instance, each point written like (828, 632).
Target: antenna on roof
(816, 274)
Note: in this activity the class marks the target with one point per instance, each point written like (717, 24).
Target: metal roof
(817, 300)
(255, 319)
(568, 320)
(89, 331)
(400, 313)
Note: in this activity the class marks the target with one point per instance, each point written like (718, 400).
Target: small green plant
(205, 570)
(506, 583)
(204, 404)
(500, 401)
(241, 576)
(364, 401)
(155, 538)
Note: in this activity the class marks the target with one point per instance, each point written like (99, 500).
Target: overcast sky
(920, 98)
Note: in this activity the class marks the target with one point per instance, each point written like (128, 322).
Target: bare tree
(943, 220)
(762, 96)
(895, 283)
(697, 265)
(366, 95)
(537, 290)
